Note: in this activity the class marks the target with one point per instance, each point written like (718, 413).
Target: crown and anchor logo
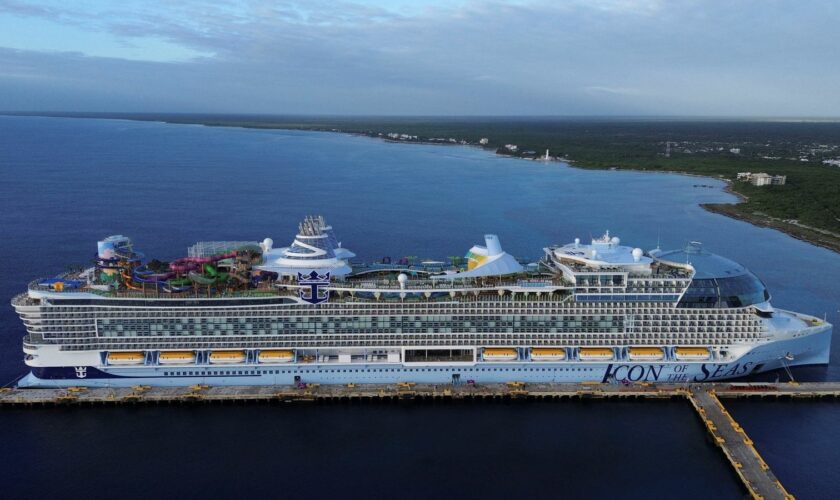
(81, 371)
(313, 289)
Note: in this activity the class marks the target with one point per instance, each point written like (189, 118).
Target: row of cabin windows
(193, 373)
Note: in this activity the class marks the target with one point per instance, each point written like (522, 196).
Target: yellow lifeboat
(226, 357)
(646, 353)
(126, 358)
(596, 353)
(276, 356)
(688, 353)
(548, 354)
(498, 354)
(176, 357)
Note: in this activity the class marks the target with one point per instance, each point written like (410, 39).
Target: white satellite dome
(637, 254)
(402, 279)
(267, 244)
(615, 240)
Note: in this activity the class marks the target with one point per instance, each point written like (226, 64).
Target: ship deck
(368, 283)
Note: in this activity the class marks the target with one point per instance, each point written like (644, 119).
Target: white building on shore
(762, 179)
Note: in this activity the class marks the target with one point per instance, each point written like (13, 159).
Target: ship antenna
(658, 237)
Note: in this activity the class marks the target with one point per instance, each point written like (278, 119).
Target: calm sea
(64, 183)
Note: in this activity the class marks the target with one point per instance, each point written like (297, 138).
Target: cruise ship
(247, 313)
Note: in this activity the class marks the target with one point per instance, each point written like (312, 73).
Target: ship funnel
(493, 245)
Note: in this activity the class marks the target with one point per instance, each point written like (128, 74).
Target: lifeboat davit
(276, 356)
(548, 354)
(645, 353)
(226, 357)
(596, 353)
(176, 357)
(692, 353)
(126, 358)
(499, 354)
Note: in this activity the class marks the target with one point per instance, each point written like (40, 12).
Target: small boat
(126, 358)
(645, 353)
(685, 353)
(548, 354)
(226, 357)
(596, 353)
(176, 357)
(276, 356)
(499, 354)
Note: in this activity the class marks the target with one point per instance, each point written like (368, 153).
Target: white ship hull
(811, 349)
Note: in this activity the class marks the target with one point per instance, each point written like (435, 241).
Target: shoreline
(804, 234)
(814, 236)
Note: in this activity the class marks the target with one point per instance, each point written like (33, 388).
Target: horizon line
(57, 113)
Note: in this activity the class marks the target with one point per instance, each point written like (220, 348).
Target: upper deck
(602, 271)
(403, 283)
(606, 255)
(314, 261)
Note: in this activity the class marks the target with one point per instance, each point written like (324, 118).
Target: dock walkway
(725, 432)
(737, 446)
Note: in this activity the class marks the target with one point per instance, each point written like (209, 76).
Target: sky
(762, 58)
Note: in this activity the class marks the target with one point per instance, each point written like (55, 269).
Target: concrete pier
(370, 392)
(738, 448)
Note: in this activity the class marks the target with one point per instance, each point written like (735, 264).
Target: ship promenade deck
(723, 430)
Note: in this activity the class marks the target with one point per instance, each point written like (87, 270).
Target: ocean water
(798, 439)
(64, 183)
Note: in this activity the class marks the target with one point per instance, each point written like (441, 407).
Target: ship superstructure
(242, 313)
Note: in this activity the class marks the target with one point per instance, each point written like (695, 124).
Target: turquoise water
(64, 183)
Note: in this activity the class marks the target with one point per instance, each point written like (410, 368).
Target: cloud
(574, 57)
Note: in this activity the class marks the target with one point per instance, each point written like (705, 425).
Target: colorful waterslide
(210, 276)
(186, 264)
(182, 274)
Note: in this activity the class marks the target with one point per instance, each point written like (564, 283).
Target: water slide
(178, 285)
(145, 275)
(128, 281)
(182, 274)
(186, 264)
(201, 270)
(201, 280)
